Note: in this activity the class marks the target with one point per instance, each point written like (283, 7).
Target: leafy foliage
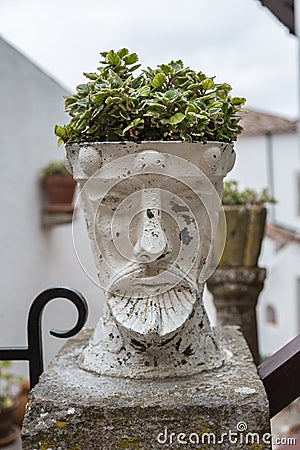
(8, 382)
(55, 168)
(172, 102)
(232, 195)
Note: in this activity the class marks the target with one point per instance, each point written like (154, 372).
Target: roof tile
(257, 124)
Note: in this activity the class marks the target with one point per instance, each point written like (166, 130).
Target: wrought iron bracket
(34, 351)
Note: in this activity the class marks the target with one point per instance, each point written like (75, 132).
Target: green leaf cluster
(171, 102)
(233, 196)
(55, 168)
(7, 383)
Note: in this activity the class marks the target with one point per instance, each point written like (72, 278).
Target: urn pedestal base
(71, 409)
(235, 291)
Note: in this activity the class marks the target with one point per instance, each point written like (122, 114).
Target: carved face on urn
(151, 211)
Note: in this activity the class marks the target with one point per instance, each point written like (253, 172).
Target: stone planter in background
(238, 281)
(245, 231)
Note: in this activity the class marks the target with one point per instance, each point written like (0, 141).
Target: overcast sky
(239, 41)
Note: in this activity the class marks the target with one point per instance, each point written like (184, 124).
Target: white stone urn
(151, 210)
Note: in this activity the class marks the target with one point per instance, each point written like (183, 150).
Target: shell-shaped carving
(160, 315)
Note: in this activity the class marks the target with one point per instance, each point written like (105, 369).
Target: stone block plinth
(225, 408)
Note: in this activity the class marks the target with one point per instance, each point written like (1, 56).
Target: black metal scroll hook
(34, 352)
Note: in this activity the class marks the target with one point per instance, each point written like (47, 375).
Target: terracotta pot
(59, 192)
(245, 231)
(9, 432)
(22, 401)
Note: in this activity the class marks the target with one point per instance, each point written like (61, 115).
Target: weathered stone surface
(71, 409)
(245, 230)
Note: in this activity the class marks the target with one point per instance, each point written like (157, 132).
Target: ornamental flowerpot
(151, 204)
(58, 192)
(238, 281)
(151, 210)
(245, 231)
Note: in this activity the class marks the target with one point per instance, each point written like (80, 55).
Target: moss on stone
(257, 447)
(47, 444)
(130, 442)
(61, 424)
(52, 445)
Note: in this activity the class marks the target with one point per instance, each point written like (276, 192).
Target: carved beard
(157, 317)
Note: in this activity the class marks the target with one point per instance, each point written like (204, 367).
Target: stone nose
(152, 241)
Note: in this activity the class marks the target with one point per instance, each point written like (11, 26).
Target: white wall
(280, 292)
(286, 168)
(251, 171)
(250, 165)
(33, 257)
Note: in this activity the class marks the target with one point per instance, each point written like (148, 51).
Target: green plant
(9, 385)
(232, 195)
(172, 102)
(55, 168)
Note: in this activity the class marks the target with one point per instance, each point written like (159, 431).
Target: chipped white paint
(153, 241)
(151, 210)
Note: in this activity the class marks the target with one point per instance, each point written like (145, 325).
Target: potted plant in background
(245, 213)
(58, 188)
(237, 282)
(10, 387)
